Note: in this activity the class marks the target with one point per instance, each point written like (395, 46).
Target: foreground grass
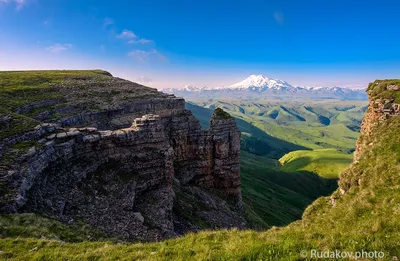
(327, 163)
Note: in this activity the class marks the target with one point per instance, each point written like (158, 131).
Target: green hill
(327, 163)
(308, 124)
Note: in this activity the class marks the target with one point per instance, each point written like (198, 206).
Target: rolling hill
(308, 124)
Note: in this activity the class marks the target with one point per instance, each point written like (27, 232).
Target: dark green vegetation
(221, 114)
(307, 124)
(364, 218)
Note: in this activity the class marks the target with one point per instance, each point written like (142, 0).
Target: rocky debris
(196, 208)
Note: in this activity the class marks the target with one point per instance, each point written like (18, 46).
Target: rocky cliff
(381, 117)
(384, 99)
(124, 158)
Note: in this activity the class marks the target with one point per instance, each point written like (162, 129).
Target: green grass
(327, 163)
(35, 226)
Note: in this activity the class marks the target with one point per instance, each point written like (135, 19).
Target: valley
(292, 152)
(309, 124)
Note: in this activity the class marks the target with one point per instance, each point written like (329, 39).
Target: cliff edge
(125, 158)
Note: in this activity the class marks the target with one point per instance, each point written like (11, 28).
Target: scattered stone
(52, 136)
(139, 216)
(61, 135)
(73, 133)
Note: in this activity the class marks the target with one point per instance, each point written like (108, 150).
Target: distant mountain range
(261, 86)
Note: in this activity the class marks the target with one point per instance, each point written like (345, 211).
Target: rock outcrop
(383, 104)
(118, 168)
(384, 99)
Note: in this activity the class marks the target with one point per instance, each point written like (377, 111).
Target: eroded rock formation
(119, 169)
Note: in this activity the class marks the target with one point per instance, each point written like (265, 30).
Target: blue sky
(206, 43)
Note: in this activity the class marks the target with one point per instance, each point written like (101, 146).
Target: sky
(169, 44)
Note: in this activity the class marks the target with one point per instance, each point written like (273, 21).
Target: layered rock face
(122, 177)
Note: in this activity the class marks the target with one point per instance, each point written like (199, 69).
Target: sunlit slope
(327, 163)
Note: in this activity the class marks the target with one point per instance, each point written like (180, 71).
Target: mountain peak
(259, 82)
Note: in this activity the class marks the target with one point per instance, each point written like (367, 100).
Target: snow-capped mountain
(260, 82)
(262, 86)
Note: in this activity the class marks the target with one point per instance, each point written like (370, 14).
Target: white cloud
(108, 21)
(144, 79)
(141, 41)
(142, 56)
(126, 34)
(58, 48)
(278, 16)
